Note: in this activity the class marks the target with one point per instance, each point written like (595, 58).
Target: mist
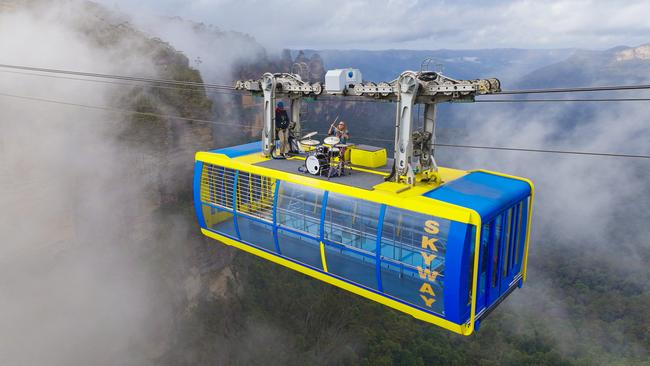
(583, 199)
(494, 25)
(100, 265)
(90, 271)
(588, 210)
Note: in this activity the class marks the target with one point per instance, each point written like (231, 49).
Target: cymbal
(342, 145)
(332, 140)
(309, 135)
(309, 142)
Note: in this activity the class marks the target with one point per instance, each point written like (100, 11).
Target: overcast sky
(416, 24)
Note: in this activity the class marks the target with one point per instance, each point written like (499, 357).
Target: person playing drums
(339, 131)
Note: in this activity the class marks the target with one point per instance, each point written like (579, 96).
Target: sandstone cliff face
(97, 220)
(310, 68)
(637, 53)
(316, 68)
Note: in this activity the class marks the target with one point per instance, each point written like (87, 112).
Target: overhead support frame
(414, 150)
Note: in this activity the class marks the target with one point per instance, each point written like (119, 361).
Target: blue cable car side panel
(456, 272)
(483, 192)
(416, 259)
(196, 187)
(492, 197)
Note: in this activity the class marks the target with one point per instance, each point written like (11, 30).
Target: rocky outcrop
(106, 223)
(309, 68)
(637, 53)
(316, 68)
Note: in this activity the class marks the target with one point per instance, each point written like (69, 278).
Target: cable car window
(219, 220)
(351, 264)
(299, 208)
(413, 247)
(256, 233)
(470, 280)
(402, 233)
(496, 244)
(513, 237)
(507, 227)
(485, 241)
(300, 248)
(351, 222)
(520, 234)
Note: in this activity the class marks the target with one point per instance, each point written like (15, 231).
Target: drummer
(339, 131)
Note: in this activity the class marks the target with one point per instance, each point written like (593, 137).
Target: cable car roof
(483, 192)
(240, 150)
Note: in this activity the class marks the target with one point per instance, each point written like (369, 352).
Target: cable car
(443, 245)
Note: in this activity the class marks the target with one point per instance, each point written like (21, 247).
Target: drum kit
(327, 159)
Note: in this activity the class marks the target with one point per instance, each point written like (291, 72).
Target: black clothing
(281, 119)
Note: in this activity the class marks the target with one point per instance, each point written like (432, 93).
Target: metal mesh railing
(216, 185)
(254, 193)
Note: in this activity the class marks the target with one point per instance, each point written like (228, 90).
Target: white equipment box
(339, 80)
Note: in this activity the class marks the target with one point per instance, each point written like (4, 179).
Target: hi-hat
(332, 140)
(309, 142)
(309, 135)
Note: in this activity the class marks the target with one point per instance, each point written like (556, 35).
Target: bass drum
(317, 164)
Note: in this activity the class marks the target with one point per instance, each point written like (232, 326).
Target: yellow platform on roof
(368, 156)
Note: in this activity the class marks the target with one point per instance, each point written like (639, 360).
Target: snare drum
(322, 149)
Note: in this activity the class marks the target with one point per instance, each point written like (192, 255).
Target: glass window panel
(352, 265)
(485, 241)
(521, 236)
(496, 245)
(300, 248)
(470, 279)
(514, 229)
(256, 233)
(405, 283)
(402, 238)
(220, 221)
(507, 227)
(299, 208)
(413, 247)
(351, 222)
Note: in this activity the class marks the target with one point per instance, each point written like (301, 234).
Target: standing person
(282, 128)
(340, 131)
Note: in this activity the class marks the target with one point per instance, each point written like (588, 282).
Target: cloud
(594, 207)
(418, 24)
(79, 282)
(585, 200)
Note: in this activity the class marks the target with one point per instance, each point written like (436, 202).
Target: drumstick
(335, 119)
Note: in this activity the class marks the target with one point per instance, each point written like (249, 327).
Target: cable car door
(483, 276)
(493, 288)
(507, 248)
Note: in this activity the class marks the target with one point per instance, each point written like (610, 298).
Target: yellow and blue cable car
(443, 245)
(444, 254)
